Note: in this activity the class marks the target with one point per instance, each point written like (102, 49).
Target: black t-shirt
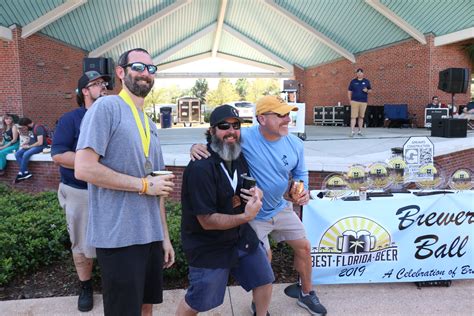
(207, 190)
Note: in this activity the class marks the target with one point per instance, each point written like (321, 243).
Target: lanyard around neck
(233, 181)
(144, 135)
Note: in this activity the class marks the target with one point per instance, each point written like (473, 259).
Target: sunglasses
(226, 125)
(279, 115)
(140, 67)
(98, 84)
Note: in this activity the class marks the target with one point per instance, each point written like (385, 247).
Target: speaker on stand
(454, 80)
(104, 66)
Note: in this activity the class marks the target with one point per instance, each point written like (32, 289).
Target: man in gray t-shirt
(117, 150)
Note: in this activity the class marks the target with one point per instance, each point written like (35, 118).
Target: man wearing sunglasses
(117, 151)
(215, 233)
(72, 193)
(274, 156)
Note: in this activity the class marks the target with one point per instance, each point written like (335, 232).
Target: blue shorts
(207, 286)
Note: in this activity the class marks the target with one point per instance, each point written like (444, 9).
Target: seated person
(11, 141)
(434, 103)
(468, 111)
(35, 145)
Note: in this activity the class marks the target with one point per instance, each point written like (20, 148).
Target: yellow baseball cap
(275, 104)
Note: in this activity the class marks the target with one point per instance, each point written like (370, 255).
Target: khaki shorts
(75, 203)
(286, 225)
(358, 109)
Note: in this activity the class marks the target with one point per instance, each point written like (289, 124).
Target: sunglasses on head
(226, 125)
(140, 67)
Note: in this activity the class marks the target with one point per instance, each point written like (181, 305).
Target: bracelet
(144, 186)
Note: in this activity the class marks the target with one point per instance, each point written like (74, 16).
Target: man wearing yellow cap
(274, 156)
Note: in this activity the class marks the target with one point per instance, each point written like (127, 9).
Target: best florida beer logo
(354, 241)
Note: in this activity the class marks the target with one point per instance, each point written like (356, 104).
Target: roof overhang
(454, 37)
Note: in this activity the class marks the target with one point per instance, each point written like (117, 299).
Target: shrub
(180, 267)
(32, 232)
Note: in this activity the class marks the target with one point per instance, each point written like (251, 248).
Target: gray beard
(138, 90)
(227, 152)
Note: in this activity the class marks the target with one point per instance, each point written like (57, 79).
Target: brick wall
(46, 174)
(39, 77)
(405, 72)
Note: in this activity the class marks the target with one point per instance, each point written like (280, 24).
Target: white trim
(320, 36)
(183, 61)
(250, 62)
(220, 22)
(137, 28)
(398, 21)
(50, 17)
(454, 37)
(251, 43)
(168, 75)
(184, 43)
(6, 34)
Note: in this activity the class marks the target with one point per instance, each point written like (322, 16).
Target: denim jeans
(23, 156)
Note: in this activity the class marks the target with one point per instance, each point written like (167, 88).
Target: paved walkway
(349, 299)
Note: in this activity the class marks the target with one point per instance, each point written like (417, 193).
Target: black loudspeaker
(290, 85)
(454, 80)
(104, 66)
(448, 127)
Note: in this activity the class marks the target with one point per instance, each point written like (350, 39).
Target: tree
(200, 89)
(225, 92)
(261, 87)
(241, 86)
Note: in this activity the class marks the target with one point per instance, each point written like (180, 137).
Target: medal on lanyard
(144, 132)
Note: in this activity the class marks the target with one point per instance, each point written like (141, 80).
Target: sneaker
(360, 133)
(85, 302)
(352, 134)
(24, 176)
(311, 303)
(254, 310)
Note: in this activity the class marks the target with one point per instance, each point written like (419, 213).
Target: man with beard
(72, 193)
(274, 156)
(117, 151)
(215, 233)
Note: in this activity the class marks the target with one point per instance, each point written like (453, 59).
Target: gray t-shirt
(119, 218)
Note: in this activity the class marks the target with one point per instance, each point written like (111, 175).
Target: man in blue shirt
(72, 193)
(274, 156)
(358, 92)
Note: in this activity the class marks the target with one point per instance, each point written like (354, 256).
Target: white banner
(404, 238)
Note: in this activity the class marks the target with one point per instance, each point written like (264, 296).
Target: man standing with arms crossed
(358, 93)
(273, 155)
(72, 193)
(118, 149)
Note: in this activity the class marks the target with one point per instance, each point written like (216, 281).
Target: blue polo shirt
(64, 140)
(356, 86)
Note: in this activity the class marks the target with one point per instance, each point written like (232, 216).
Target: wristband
(144, 186)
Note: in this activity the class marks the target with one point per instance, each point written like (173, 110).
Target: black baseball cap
(223, 112)
(360, 70)
(87, 77)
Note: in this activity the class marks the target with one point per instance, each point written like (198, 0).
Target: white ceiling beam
(183, 61)
(6, 34)
(454, 37)
(398, 21)
(220, 23)
(50, 17)
(173, 50)
(287, 66)
(320, 36)
(175, 75)
(138, 27)
(250, 62)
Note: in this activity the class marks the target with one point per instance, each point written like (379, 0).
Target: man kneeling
(215, 233)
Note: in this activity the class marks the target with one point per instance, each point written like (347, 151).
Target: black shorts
(131, 276)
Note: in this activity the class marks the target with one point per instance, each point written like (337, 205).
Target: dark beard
(138, 89)
(227, 152)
